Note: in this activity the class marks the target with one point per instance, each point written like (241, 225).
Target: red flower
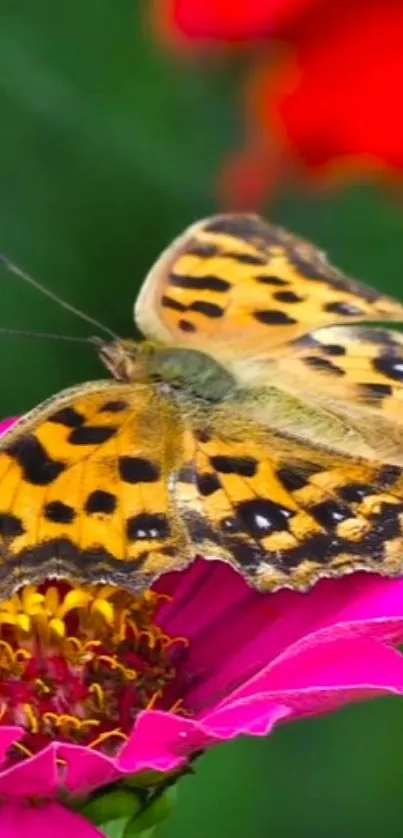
(98, 684)
(325, 93)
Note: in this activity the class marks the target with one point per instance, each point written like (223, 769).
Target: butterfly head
(175, 366)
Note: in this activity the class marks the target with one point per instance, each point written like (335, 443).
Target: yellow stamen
(110, 734)
(24, 750)
(22, 655)
(98, 696)
(129, 674)
(42, 688)
(177, 706)
(94, 651)
(32, 720)
(167, 642)
(148, 636)
(153, 700)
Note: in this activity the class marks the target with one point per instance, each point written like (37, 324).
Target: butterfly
(260, 423)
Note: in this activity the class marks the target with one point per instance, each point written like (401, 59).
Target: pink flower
(97, 684)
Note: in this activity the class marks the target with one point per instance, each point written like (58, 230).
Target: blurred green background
(108, 148)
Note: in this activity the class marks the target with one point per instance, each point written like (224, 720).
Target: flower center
(77, 664)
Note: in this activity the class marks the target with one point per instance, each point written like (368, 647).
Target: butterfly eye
(120, 358)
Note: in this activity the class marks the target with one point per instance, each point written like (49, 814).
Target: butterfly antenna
(14, 269)
(22, 333)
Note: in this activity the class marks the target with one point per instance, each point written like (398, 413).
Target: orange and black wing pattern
(238, 287)
(84, 489)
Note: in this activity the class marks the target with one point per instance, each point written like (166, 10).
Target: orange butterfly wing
(84, 489)
(238, 287)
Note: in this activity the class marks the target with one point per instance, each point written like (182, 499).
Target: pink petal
(37, 776)
(234, 638)
(8, 735)
(365, 600)
(162, 741)
(255, 716)
(329, 674)
(48, 821)
(7, 423)
(86, 769)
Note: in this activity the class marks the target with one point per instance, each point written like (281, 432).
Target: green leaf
(157, 811)
(114, 805)
(149, 779)
(114, 828)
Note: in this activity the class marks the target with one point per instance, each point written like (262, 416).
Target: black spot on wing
(115, 406)
(245, 466)
(247, 555)
(371, 390)
(145, 526)
(315, 362)
(333, 349)
(389, 475)
(356, 492)
(10, 526)
(329, 513)
(174, 305)
(268, 279)
(206, 308)
(386, 522)
(138, 470)
(59, 513)
(37, 466)
(291, 480)
(288, 297)
(262, 517)
(322, 547)
(274, 317)
(100, 501)
(91, 435)
(319, 548)
(199, 283)
(67, 416)
(344, 309)
(389, 365)
(207, 483)
(246, 258)
(186, 326)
